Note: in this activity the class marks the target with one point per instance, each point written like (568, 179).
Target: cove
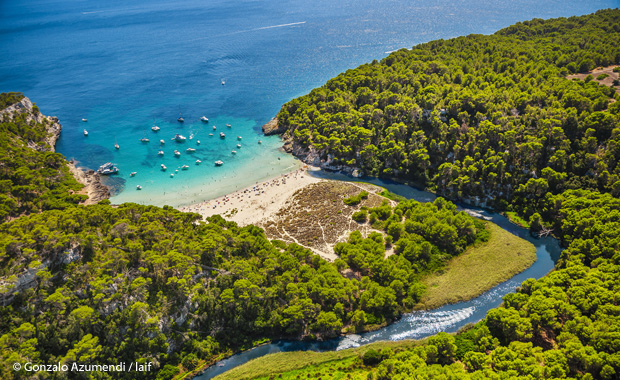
(418, 324)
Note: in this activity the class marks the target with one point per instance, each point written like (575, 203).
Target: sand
(258, 202)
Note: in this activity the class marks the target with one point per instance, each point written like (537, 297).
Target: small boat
(239, 137)
(155, 128)
(222, 135)
(191, 136)
(84, 120)
(214, 127)
(210, 134)
(204, 119)
(238, 145)
(197, 142)
(190, 150)
(198, 162)
(85, 132)
(184, 167)
(171, 174)
(219, 163)
(107, 169)
(163, 167)
(260, 142)
(177, 153)
(133, 174)
(144, 140)
(180, 118)
(234, 152)
(179, 137)
(138, 187)
(116, 145)
(229, 126)
(223, 82)
(162, 142)
(161, 153)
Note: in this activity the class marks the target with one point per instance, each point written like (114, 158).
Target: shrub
(372, 357)
(360, 216)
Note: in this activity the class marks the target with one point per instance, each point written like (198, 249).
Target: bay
(127, 65)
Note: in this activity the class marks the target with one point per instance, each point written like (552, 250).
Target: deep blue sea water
(125, 65)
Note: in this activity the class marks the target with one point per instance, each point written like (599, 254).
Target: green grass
(516, 219)
(478, 269)
(389, 195)
(331, 365)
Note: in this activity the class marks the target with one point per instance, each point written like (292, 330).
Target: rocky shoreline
(93, 187)
(308, 155)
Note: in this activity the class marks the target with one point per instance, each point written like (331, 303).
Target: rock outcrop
(273, 128)
(93, 187)
(52, 126)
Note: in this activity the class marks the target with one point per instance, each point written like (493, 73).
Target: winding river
(418, 324)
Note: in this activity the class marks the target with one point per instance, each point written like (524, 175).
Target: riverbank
(478, 269)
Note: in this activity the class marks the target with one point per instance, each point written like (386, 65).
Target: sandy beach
(255, 203)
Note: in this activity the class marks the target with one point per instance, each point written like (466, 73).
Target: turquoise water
(125, 65)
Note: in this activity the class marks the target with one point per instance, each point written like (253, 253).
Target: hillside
(492, 120)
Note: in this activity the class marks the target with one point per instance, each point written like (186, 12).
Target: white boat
(84, 120)
(238, 145)
(210, 134)
(190, 150)
(171, 174)
(161, 152)
(144, 140)
(222, 135)
(116, 146)
(234, 152)
(214, 127)
(260, 142)
(228, 125)
(107, 168)
(239, 137)
(198, 162)
(184, 167)
(133, 174)
(178, 137)
(177, 153)
(197, 142)
(191, 136)
(180, 118)
(138, 187)
(85, 132)
(219, 163)
(163, 167)
(204, 119)
(155, 128)
(162, 142)
(223, 82)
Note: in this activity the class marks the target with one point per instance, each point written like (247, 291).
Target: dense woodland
(481, 118)
(31, 180)
(503, 126)
(101, 284)
(157, 285)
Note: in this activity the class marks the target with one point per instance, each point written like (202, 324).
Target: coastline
(93, 187)
(257, 202)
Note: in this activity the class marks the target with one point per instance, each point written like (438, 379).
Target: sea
(128, 65)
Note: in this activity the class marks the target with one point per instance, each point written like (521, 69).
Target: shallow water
(126, 64)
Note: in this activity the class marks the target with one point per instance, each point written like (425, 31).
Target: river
(418, 324)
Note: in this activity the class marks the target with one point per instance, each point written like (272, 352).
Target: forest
(101, 284)
(488, 119)
(31, 180)
(491, 120)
